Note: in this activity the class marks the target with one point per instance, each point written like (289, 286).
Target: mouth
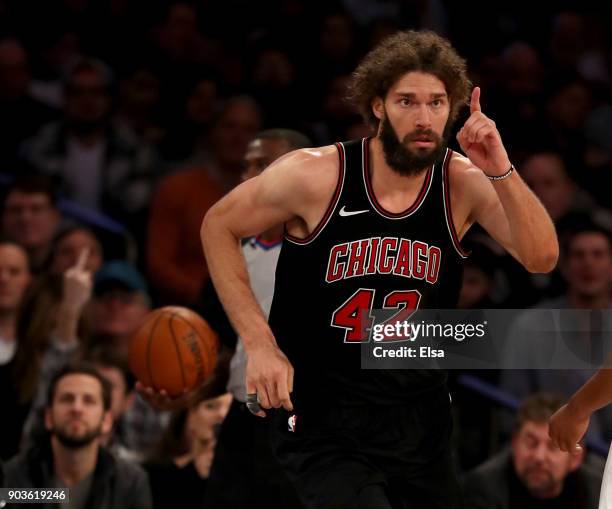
(423, 143)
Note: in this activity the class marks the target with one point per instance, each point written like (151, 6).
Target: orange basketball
(174, 349)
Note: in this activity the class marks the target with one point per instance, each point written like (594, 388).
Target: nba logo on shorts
(291, 421)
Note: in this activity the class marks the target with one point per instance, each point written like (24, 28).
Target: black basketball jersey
(362, 257)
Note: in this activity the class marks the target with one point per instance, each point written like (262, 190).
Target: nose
(423, 117)
(539, 453)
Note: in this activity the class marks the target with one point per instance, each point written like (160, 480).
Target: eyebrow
(411, 95)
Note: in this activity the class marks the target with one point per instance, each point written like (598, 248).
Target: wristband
(501, 177)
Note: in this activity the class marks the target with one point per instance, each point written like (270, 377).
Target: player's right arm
(292, 191)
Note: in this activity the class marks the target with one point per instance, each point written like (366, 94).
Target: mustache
(421, 135)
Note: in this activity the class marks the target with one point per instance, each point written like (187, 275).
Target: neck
(74, 465)
(580, 301)
(8, 324)
(392, 189)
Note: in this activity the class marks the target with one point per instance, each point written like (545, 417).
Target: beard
(76, 441)
(541, 488)
(405, 161)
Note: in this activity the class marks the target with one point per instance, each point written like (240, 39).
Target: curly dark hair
(404, 52)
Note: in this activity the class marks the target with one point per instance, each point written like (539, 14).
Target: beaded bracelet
(501, 177)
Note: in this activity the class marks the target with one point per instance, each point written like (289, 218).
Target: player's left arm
(507, 209)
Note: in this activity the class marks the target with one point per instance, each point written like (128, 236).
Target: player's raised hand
(481, 142)
(566, 429)
(77, 284)
(269, 375)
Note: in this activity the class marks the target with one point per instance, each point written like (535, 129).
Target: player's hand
(481, 142)
(77, 284)
(161, 400)
(269, 374)
(566, 429)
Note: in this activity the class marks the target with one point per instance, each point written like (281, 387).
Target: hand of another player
(269, 374)
(162, 401)
(77, 284)
(481, 142)
(566, 429)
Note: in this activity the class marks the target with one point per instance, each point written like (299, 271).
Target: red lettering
(402, 264)
(335, 269)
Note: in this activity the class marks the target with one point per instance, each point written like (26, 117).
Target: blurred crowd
(123, 121)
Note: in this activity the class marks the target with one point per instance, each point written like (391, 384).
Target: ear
(378, 107)
(107, 422)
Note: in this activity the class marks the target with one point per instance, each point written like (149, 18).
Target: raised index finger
(82, 259)
(475, 101)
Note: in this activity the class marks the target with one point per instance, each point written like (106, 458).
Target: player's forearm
(531, 229)
(593, 395)
(230, 276)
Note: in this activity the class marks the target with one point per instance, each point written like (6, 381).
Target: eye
(436, 103)
(405, 101)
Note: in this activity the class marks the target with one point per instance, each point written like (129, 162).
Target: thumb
(475, 102)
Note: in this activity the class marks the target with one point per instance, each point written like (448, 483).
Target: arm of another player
(282, 192)
(506, 208)
(569, 424)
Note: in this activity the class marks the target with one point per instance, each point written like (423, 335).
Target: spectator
(119, 305)
(51, 331)
(586, 266)
(97, 167)
(30, 217)
(534, 473)
(189, 141)
(20, 114)
(546, 174)
(139, 98)
(14, 280)
(180, 467)
(69, 243)
(176, 264)
(243, 454)
(77, 415)
(116, 371)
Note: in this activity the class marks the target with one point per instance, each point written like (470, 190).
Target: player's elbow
(543, 259)
(210, 224)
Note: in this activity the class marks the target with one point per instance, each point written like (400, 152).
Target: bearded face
(416, 152)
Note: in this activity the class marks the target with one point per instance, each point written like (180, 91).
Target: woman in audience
(179, 468)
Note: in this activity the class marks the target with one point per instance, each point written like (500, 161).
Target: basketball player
(370, 223)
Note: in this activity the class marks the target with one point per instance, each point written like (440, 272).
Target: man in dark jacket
(534, 473)
(77, 414)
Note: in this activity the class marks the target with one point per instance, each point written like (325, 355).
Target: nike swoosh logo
(346, 213)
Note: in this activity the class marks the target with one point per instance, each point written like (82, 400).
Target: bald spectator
(176, 264)
(14, 280)
(546, 174)
(31, 218)
(534, 473)
(97, 166)
(20, 114)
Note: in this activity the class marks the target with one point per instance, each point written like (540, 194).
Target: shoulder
(306, 172)
(490, 476)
